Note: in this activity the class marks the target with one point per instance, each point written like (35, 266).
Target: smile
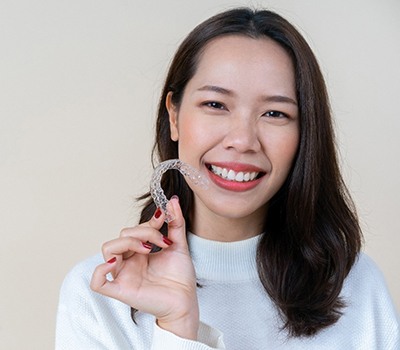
(231, 175)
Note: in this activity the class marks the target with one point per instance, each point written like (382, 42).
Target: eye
(275, 114)
(214, 105)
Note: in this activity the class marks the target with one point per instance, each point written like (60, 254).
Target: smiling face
(238, 123)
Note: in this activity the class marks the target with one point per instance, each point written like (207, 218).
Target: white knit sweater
(234, 305)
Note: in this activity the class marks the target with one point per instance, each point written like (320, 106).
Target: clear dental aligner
(156, 190)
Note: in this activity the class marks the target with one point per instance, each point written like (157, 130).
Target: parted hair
(312, 236)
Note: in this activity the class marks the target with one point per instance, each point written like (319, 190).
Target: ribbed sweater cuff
(208, 339)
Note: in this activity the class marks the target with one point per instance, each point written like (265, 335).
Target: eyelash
(214, 105)
(281, 114)
(221, 106)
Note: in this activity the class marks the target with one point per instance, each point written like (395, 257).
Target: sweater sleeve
(77, 326)
(88, 320)
(208, 339)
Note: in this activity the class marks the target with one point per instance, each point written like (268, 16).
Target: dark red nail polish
(167, 240)
(157, 214)
(147, 245)
(112, 260)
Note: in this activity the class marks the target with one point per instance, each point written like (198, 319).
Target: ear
(173, 117)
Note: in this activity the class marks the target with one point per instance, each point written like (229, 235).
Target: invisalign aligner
(156, 190)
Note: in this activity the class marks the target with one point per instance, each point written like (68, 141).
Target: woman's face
(238, 123)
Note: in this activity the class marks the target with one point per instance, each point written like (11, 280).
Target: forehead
(239, 41)
(244, 62)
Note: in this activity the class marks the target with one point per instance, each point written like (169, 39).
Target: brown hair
(312, 236)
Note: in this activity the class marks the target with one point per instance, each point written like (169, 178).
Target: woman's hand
(162, 284)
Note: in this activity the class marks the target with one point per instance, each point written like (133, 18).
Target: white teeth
(239, 177)
(232, 175)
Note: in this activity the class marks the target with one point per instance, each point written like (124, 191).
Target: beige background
(79, 82)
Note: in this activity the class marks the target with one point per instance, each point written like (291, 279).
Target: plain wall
(79, 84)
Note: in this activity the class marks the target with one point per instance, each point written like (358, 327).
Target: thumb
(177, 227)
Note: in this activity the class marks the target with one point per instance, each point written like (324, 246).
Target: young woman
(268, 256)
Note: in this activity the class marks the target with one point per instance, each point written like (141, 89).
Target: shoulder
(89, 320)
(86, 266)
(78, 301)
(365, 272)
(370, 311)
(364, 263)
(365, 280)
(365, 289)
(78, 278)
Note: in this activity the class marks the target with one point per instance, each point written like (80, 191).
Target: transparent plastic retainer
(156, 191)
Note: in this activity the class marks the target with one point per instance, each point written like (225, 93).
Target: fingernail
(175, 197)
(157, 214)
(167, 240)
(112, 260)
(147, 245)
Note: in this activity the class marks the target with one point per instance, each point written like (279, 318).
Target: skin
(239, 111)
(230, 112)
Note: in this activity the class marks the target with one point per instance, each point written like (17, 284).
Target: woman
(268, 256)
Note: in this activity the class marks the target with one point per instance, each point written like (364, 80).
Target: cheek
(282, 149)
(191, 140)
(196, 136)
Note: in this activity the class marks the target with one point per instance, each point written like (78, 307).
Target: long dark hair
(312, 236)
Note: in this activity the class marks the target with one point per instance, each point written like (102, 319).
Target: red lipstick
(235, 186)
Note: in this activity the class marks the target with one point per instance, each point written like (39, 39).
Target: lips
(235, 176)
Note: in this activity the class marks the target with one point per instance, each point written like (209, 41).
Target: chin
(236, 211)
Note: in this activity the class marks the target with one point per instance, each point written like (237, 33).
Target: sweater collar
(224, 261)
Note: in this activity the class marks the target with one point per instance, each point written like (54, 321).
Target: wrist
(186, 326)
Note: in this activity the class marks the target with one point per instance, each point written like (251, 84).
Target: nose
(242, 135)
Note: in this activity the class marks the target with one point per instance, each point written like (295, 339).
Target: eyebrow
(217, 89)
(280, 98)
(273, 98)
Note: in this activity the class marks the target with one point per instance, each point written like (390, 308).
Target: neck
(224, 229)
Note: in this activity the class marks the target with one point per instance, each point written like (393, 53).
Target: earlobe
(173, 117)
